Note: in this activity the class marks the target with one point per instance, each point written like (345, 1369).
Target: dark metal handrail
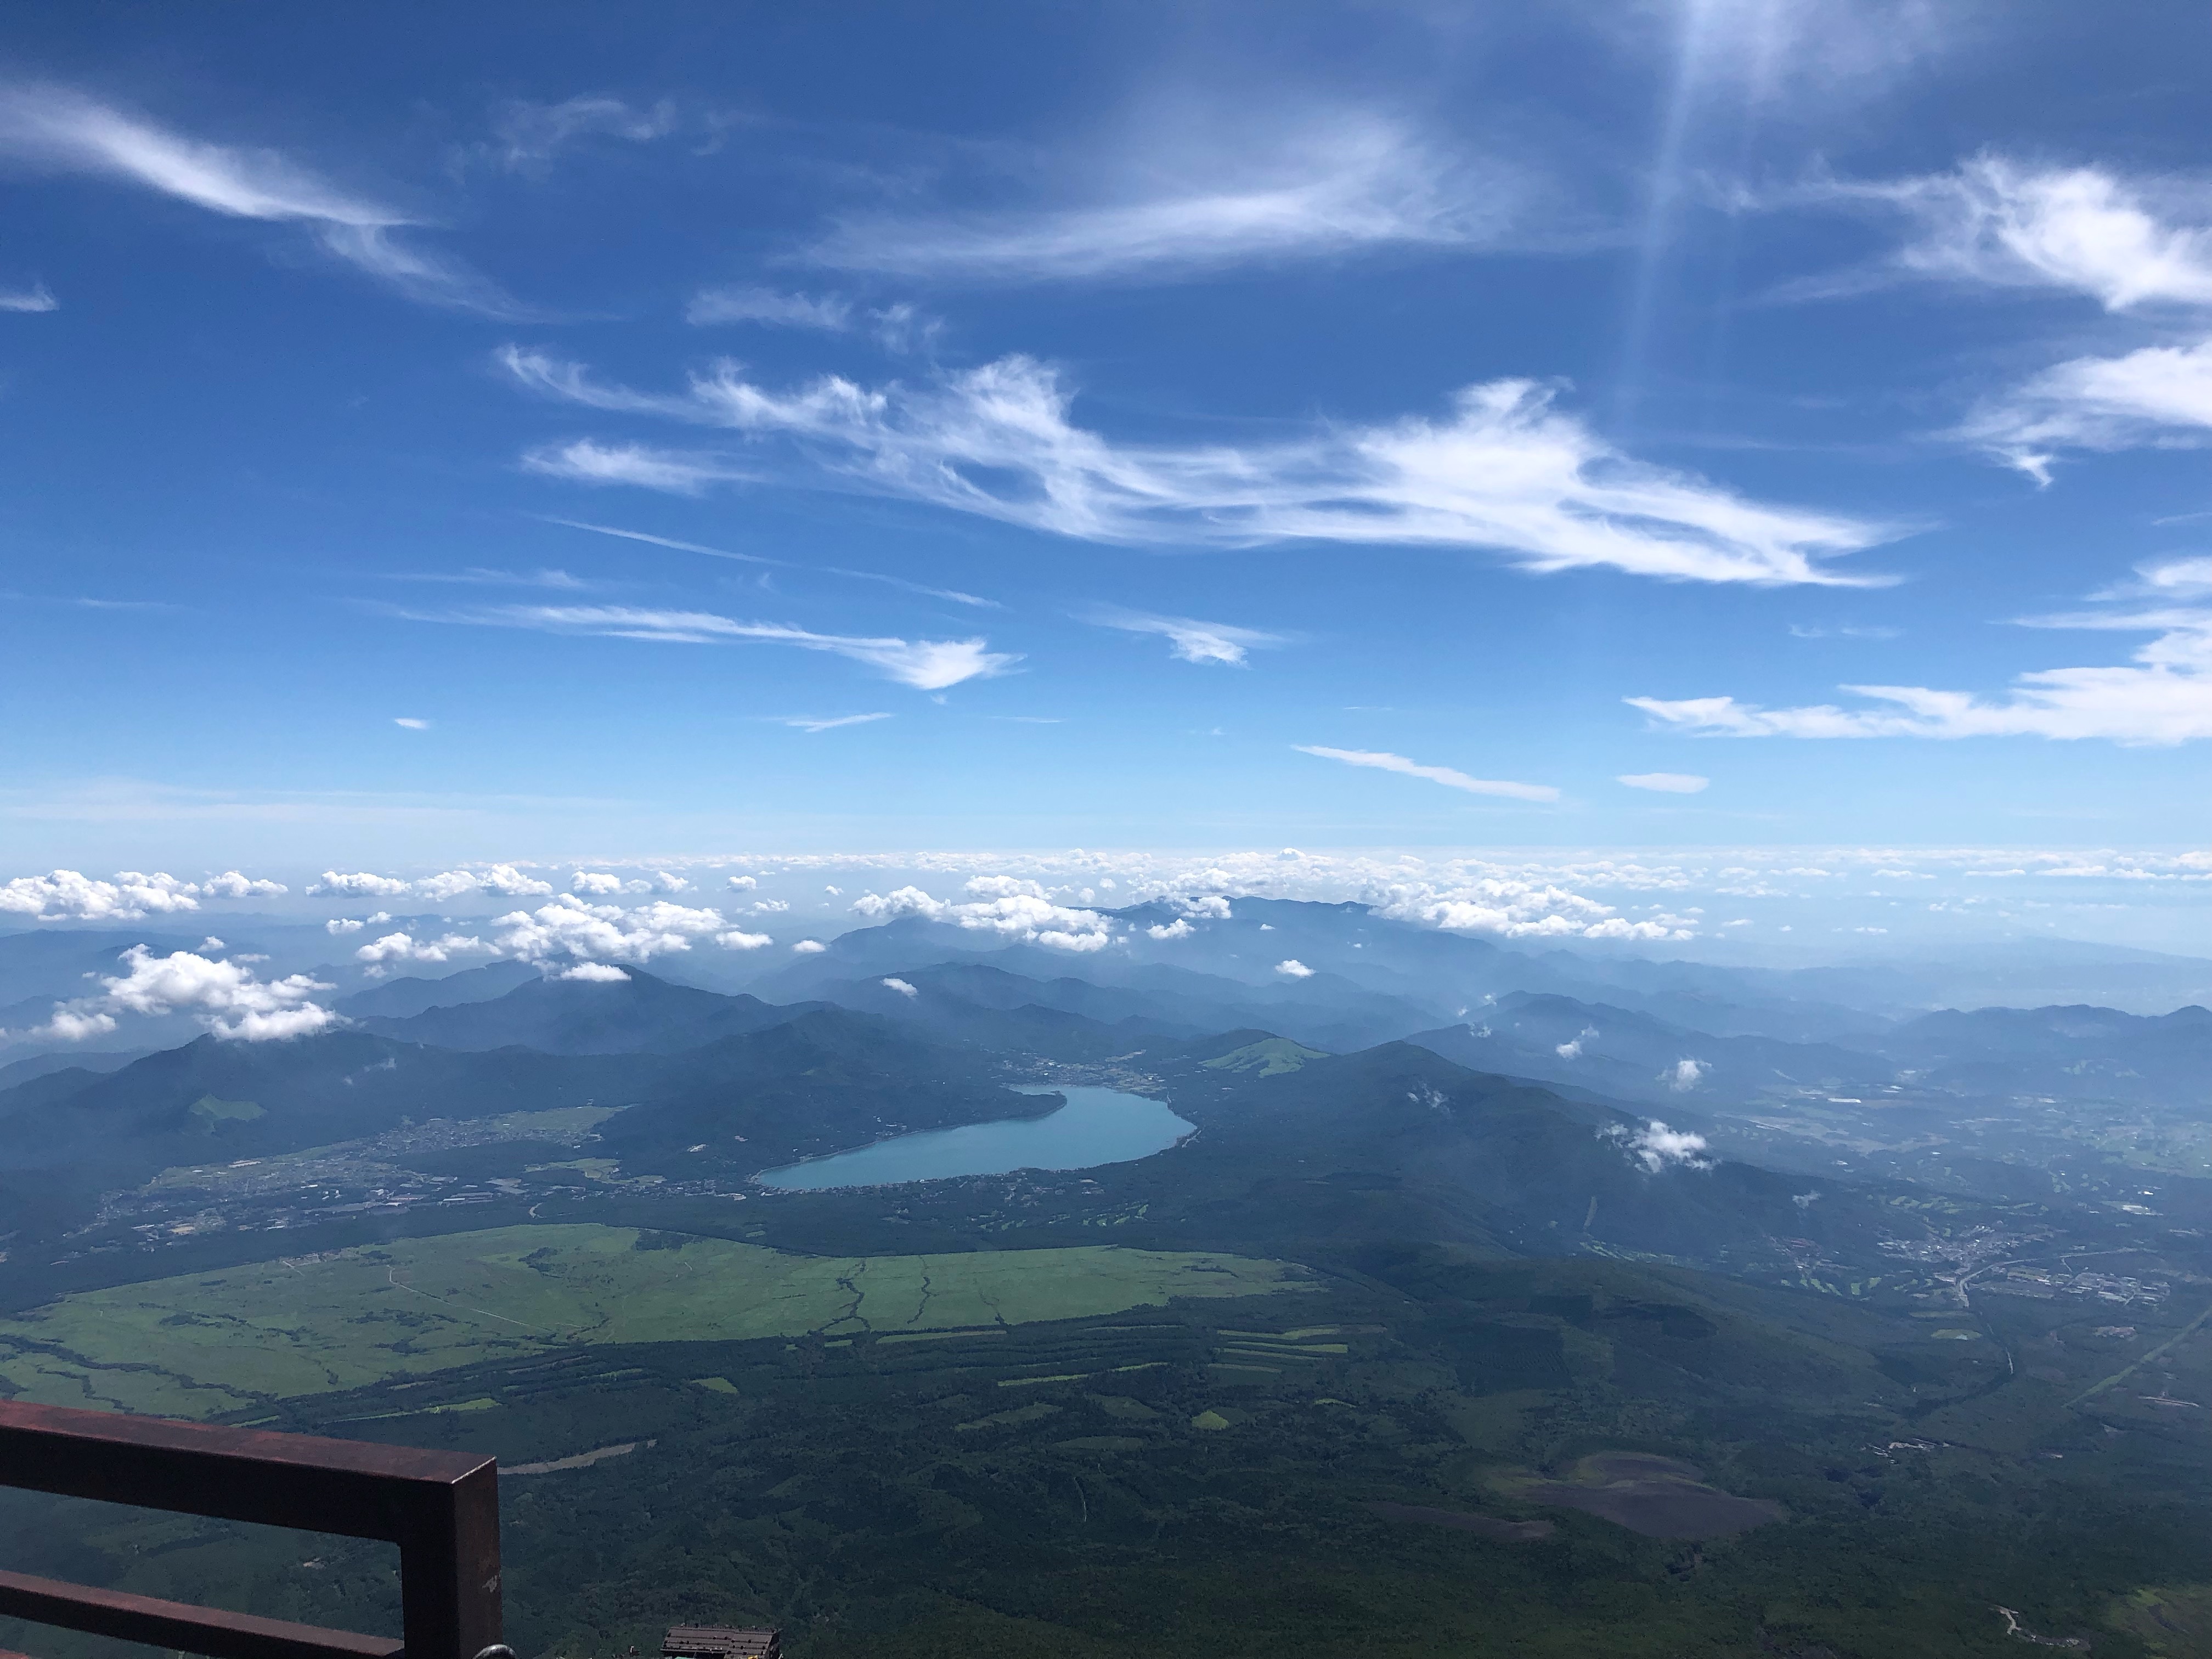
(441, 1508)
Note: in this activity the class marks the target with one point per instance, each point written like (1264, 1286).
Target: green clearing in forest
(1270, 1057)
(214, 1342)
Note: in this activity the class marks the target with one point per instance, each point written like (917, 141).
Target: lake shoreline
(1088, 1127)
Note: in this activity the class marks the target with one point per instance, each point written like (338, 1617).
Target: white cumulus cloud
(569, 929)
(360, 884)
(508, 882)
(1291, 968)
(1656, 1146)
(1517, 907)
(231, 884)
(1684, 1075)
(902, 987)
(225, 996)
(603, 972)
(381, 956)
(1015, 911)
(68, 895)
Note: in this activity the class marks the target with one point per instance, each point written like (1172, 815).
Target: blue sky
(542, 434)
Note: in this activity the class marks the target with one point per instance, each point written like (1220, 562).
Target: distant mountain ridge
(811, 1080)
(398, 999)
(640, 1013)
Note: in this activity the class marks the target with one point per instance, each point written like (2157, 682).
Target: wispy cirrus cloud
(899, 327)
(651, 540)
(2165, 698)
(676, 472)
(2135, 246)
(1843, 631)
(1381, 761)
(743, 303)
(1507, 470)
(900, 582)
(1184, 199)
(826, 723)
(478, 576)
(56, 129)
(1993, 221)
(1190, 639)
(2156, 397)
(925, 664)
(36, 298)
(1665, 783)
(1788, 57)
(527, 136)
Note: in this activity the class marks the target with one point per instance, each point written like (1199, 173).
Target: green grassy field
(214, 1342)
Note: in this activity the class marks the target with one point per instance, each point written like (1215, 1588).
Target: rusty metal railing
(441, 1508)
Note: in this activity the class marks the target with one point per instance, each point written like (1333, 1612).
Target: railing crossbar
(179, 1626)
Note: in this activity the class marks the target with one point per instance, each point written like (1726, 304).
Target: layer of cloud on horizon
(2167, 698)
(70, 896)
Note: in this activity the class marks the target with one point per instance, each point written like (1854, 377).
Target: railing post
(449, 1571)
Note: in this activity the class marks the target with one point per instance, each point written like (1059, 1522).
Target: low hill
(823, 1081)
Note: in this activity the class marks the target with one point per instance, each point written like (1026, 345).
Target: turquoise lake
(1097, 1126)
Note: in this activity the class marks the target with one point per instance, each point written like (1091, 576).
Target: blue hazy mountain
(2070, 1051)
(1379, 976)
(1634, 1056)
(397, 999)
(637, 1013)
